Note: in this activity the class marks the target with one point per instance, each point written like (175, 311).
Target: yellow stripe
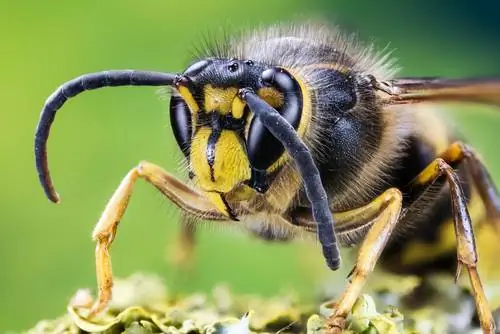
(305, 118)
(188, 98)
(219, 99)
(419, 252)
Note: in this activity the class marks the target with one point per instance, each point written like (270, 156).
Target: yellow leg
(466, 245)
(362, 218)
(389, 207)
(459, 152)
(105, 231)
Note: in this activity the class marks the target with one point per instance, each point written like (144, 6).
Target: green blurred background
(46, 252)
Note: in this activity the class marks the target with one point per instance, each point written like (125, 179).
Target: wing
(416, 90)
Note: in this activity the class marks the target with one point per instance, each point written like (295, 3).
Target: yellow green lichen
(142, 305)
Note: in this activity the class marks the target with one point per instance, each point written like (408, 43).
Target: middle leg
(389, 205)
(182, 253)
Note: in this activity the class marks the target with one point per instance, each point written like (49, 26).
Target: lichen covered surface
(142, 304)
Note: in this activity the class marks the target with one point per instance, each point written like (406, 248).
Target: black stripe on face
(211, 144)
(228, 208)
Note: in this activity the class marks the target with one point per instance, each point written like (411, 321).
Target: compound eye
(180, 119)
(262, 147)
(196, 68)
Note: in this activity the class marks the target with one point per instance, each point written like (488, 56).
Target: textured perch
(142, 305)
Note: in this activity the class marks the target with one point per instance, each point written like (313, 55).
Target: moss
(142, 304)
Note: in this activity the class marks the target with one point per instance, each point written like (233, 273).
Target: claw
(97, 308)
(335, 325)
(458, 272)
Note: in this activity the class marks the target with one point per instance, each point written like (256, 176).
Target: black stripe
(228, 208)
(212, 142)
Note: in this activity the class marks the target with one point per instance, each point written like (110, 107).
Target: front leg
(388, 205)
(379, 218)
(188, 200)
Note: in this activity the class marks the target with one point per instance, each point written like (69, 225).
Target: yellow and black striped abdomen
(426, 242)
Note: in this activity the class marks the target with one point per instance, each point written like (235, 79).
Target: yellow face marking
(218, 202)
(219, 99)
(238, 107)
(230, 167)
(226, 100)
(188, 98)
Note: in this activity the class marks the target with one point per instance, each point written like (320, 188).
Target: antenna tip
(55, 198)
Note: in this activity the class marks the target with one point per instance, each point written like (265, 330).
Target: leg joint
(393, 194)
(141, 166)
(455, 152)
(442, 165)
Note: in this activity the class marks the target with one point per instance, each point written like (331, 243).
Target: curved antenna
(74, 87)
(298, 151)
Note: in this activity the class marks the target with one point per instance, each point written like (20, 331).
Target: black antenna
(286, 134)
(74, 87)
